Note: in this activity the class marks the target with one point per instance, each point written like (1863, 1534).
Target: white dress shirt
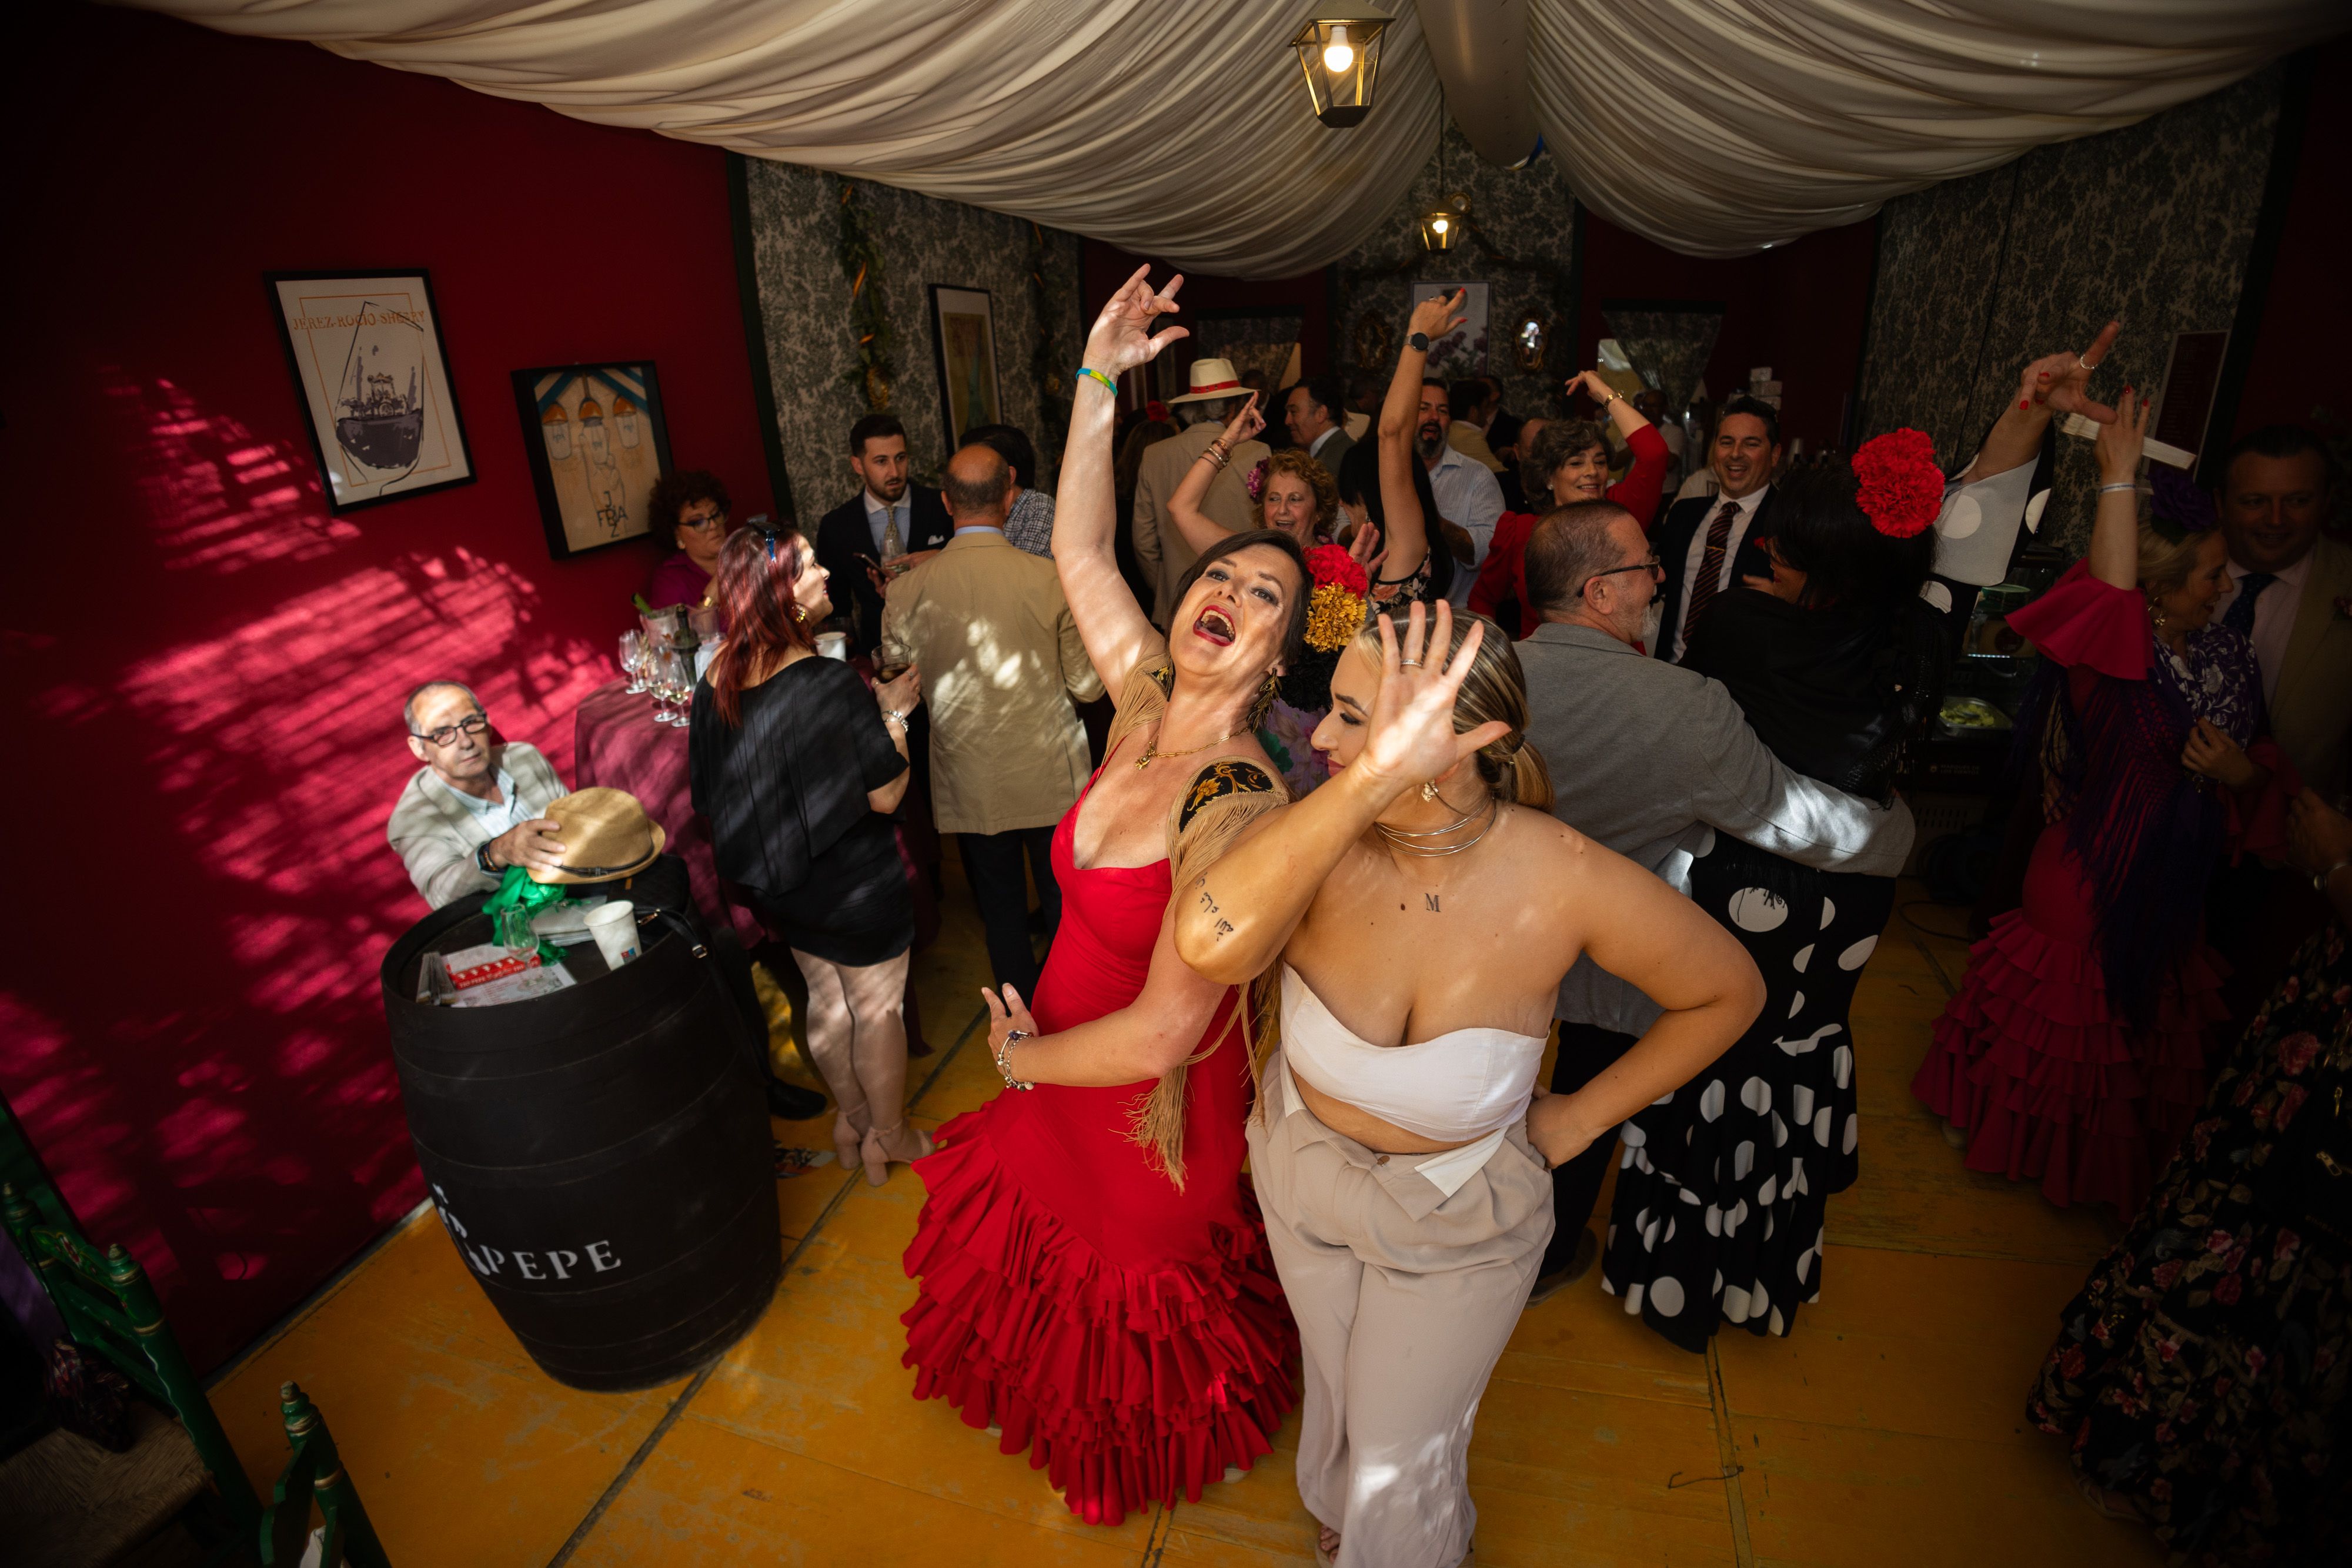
(499, 816)
(2274, 617)
(1726, 578)
(1469, 499)
(877, 516)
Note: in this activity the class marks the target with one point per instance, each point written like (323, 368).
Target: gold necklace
(1153, 750)
(1400, 841)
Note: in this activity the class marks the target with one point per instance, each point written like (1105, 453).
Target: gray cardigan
(1652, 760)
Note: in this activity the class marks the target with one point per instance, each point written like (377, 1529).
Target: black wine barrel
(601, 1156)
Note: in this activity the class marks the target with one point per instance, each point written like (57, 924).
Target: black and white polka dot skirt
(1723, 1183)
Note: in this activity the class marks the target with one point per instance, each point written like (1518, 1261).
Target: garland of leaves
(1044, 368)
(860, 258)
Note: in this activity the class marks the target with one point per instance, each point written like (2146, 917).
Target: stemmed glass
(673, 681)
(633, 659)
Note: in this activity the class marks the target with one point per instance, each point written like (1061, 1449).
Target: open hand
(1434, 317)
(1005, 1014)
(532, 845)
(2122, 439)
(1122, 337)
(1365, 550)
(901, 692)
(1589, 383)
(2217, 756)
(2062, 380)
(1413, 739)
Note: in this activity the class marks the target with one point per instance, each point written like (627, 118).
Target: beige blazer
(1001, 662)
(1160, 547)
(436, 836)
(2312, 707)
(1470, 442)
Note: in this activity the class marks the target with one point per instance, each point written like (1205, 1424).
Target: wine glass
(629, 660)
(674, 679)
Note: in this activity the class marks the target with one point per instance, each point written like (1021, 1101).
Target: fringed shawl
(1223, 799)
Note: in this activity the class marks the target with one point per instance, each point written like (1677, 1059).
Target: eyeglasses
(1653, 566)
(472, 724)
(715, 520)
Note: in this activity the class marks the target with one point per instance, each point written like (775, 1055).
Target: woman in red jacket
(1570, 463)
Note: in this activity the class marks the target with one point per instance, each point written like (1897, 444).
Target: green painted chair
(316, 1473)
(110, 1309)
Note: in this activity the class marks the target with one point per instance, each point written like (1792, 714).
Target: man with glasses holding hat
(474, 808)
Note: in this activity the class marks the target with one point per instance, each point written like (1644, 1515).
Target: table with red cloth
(616, 744)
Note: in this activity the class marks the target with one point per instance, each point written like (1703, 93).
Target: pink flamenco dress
(1129, 1333)
(2075, 1053)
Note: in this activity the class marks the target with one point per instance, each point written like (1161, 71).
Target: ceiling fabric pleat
(1714, 127)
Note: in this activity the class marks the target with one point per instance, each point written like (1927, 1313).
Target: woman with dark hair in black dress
(1836, 665)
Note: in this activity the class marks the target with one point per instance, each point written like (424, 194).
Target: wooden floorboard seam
(1726, 1449)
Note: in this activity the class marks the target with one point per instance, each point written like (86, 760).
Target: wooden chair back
(316, 1474)
(110, 1308)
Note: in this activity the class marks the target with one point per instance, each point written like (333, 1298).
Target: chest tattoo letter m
(1431, 900)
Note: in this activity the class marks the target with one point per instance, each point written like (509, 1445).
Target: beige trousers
(1405, 1292)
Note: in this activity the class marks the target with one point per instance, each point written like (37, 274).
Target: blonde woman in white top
(1419, 912)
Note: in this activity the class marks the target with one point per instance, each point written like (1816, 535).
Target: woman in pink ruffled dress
(2076, 1051)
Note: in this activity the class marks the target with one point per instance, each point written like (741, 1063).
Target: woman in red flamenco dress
(1094, 1275)
(2075, 1052)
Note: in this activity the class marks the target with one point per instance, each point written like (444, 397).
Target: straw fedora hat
(1212, 378)
(606, 835)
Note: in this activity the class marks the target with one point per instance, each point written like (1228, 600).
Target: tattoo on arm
(1224, 929)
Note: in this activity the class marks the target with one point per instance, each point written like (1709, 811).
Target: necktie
(2240, 616)
(894, 543)
(1710, 569)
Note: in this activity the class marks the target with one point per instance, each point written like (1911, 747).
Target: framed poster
(1462, 352)
(963, 339)
(373, 378)
(597, 442)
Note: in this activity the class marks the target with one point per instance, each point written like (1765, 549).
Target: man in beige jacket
(1160, 547)
(1001, 664)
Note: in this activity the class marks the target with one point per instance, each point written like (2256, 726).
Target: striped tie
(1710, 570)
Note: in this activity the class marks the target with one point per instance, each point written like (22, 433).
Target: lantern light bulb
(1440, 225)
(1339, 55)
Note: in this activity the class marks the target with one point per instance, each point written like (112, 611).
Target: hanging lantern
(555, 429)
(626, 419)
(1451, 220)
(1341, 57)
(593, 432)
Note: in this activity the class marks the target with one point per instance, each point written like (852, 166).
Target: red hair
(757, 572)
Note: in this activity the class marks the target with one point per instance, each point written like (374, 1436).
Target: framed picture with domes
(597, 443)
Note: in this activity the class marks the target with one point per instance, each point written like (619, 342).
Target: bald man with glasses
(474, 808)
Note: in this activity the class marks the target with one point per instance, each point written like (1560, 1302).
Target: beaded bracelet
(1109, 385)
(1010, 1040)
(2121, 484)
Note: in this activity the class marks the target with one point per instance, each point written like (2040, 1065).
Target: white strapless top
(1463, 1085)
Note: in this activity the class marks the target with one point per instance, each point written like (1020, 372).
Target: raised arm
(1239, 914)
(2115, 530)
(1405, 530)
(1642, 931)
(2052, 384)
(1118, 632)
(1199, 529)
(1737, 787)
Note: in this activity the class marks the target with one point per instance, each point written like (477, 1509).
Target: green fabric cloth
(517, 893)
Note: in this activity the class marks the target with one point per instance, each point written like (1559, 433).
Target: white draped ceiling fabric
(1180, 128)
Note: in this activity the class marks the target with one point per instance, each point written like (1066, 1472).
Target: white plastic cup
(833, 644)
(614, 927)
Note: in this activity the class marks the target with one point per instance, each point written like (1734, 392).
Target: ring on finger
(1408, 664)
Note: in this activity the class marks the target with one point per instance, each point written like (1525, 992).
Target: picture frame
(371, 374)
(963, 349)
(597, 438)
(1462, 352)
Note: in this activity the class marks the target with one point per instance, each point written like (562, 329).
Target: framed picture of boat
(963, 344)
(597, 442)
(368, 361)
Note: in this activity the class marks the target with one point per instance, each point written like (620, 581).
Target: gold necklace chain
(1151, 749)
(1401, 843)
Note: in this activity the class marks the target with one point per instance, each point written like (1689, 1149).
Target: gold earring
(1429, 791)
(1266, 695)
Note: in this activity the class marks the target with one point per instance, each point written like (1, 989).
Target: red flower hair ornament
(1332, 564)
(1902, 489)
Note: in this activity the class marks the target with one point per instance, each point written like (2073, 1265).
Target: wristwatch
(482, 859)
(1418, 342)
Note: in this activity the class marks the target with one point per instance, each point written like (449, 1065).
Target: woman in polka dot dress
(1720, 1201)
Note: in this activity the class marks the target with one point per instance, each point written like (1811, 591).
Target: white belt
(1447, 1171)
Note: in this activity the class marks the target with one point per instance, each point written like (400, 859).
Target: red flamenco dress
(1132, 1336)
(2075, 1053)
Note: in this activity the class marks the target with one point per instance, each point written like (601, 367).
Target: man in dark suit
(884, 531)
(1314, 412)
(1709, 543)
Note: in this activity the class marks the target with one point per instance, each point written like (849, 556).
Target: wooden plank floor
(1888, 1429)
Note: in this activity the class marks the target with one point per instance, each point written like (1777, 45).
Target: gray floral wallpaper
(805, 308)
(1524, 216)
(2150, 225)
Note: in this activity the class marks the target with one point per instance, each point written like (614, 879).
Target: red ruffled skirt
(2052, 1084)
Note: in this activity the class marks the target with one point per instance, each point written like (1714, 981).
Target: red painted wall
(203, 669)
(1799, 309)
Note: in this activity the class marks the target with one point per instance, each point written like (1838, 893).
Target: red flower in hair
(1330, 564)
(1902, 488)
